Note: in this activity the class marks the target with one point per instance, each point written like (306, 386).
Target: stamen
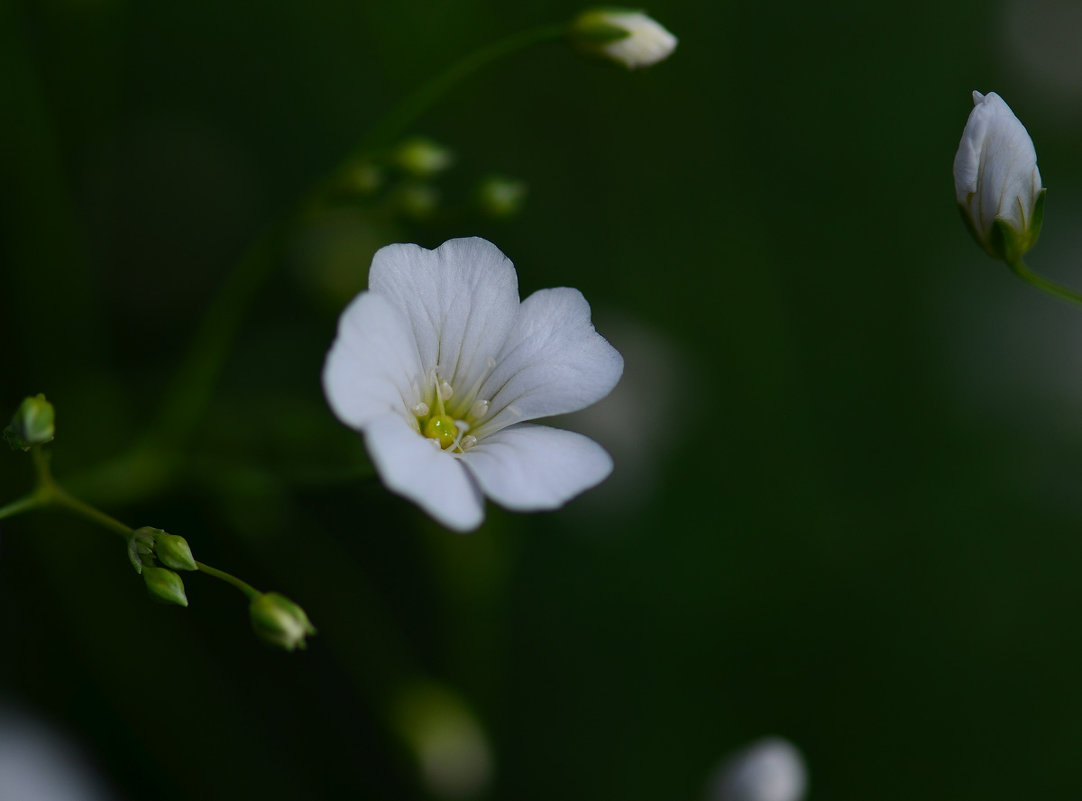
(467, 442)
(420, 410)
(479, 409)
(445, 391)
(490, 365)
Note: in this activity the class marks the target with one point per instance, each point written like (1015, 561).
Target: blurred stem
(1019, 268)
(411, 107)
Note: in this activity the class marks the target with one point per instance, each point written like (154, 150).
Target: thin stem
(24, 504)
(244, 587)
(414, 105)
(1020, 269)
(61, 498)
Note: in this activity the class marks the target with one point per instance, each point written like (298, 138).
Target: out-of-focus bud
(280, 622)
(452, 752)
(622, 35)
(364, 178)
(165, 585)
(768, 770)
(500, 197)
(34, 423)
(996, 181)
(416, 201)
(173, 551)
(422, 158)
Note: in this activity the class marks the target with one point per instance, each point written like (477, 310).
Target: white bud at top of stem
(996, 180)
(625, 36)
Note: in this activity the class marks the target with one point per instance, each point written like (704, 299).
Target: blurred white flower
(37, 764)
(996, 181)
(771, 769)
(628, 37)
(440, 365)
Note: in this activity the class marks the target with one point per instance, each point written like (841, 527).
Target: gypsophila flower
(440, 366)
(996, 181)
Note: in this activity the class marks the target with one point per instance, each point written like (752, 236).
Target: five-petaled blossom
(996, 180)
(440, 366)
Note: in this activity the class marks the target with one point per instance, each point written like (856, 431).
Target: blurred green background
(848, 448)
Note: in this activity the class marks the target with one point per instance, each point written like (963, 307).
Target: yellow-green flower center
(445, 417)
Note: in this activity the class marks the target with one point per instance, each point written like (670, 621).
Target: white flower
(628, 37)
(440, 367)
(996, 179)
(771, 769)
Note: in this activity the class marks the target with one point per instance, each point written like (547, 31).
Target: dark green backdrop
(846, 504)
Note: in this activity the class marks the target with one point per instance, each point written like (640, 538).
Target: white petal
(433, 479)
(553, 361)
(460, 298)
(528, 468)
(372, 367)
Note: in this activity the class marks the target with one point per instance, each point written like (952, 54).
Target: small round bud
(422, 158)
(173, 551)
(500, 197)
(279, 622)
(164, 585)
(32, 424)
(141, 547)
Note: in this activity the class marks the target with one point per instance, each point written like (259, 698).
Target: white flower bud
(996, 180)
(628, 37)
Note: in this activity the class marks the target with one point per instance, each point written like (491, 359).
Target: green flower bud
(33, 424)
(416, 201)
(500, 197)
(422, 158)
(279, 622)
(173, 551)
(165, 585)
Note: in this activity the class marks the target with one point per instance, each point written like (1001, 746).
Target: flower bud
(422, 158)
(627, 37)
(141, 548)
(500, 197)
(33, 424)
(165, 585)
(279, 622)
(173, 551)
(996, 181)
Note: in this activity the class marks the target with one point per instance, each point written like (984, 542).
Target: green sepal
(973, 232)
(1037, 220)
(599, 33)
(165, 585)
(141, 548)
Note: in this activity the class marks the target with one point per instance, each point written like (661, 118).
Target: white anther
(462, 426)
(420, 410)
(468, 442)
(435, 443)
(479, 409)
(446, 390)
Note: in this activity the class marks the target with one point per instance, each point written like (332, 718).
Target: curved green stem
(1019, 268)
(25, 504)
(414, 105)
(243, 586)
